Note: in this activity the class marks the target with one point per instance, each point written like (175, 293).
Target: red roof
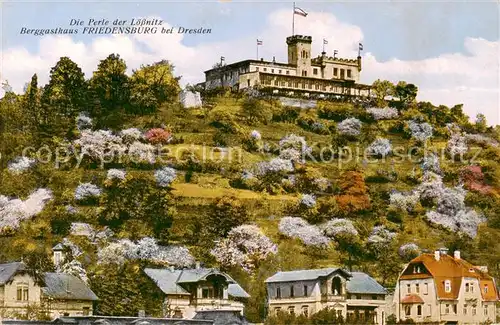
(454, 270)
(412, 299)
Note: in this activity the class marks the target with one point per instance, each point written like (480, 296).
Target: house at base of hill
(189, 291)
(50, 294)
(355, 296)
(111, 320)
(446, 289)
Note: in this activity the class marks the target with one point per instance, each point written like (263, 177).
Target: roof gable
(169, 280)
(305, 275)
(363, 283)
(166, 280)
(449, 268)
(8, 270)
(67, 287)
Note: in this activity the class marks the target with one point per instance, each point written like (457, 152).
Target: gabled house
(53, 294)
(445, 289)
(353, 295)
(188, 291)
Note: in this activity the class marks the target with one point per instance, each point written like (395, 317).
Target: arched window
(337, 286)
(419, 310)
(447, 286)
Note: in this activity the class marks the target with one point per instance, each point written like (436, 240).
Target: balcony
(332, 298)
(215, 303)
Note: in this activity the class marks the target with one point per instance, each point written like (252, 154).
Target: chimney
(172, 269)
(437, 255)
(274, 59)
(262, 59)
(198, 265)
(456, 255)
(141, 313)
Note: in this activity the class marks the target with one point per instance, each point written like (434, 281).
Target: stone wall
(298, 102)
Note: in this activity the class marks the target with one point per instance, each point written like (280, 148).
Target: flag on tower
(259, 42)
(325, 41)
(300, 12)
(360, 47)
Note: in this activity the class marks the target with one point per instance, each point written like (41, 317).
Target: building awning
(412, 299)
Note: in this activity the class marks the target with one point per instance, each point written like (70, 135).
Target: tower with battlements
(299, 54)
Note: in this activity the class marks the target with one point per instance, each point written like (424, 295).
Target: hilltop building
(354, 295)
(191, 291)
(445, 289)
(55, 294)
(303, 73)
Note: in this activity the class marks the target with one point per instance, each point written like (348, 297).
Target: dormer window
(447, 286)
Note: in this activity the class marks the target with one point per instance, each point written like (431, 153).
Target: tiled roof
(363, 283)
(235, 290)
(357, 282)
(222, 317)
(412, 299)
(168, 280)
(8, 270)
(304, 275)
(67, 287)
(56, 285)
(453, 269)
(58, 247)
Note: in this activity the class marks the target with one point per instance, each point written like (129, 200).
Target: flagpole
(293, 20)
(257, 49)
(323, 45)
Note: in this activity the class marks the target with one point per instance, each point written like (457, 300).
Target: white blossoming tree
(380, 147)
(308, 200)
(350, 127)
(404, 201)
(387, 113)
(115, 174)
(100, 145)
(452, 213)
(409, 251)
(87, 191)
(340, 228)
(296, 227)
(294, 147)
(165, 176)
(14, 211)
(75, 268)
(421, 132)
(20, 165)
(457, 145)
(131, 135)
(379, 238)
(139, 152)
(244, 246)
(145, 249)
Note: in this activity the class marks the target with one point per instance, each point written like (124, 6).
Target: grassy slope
(192, 198)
